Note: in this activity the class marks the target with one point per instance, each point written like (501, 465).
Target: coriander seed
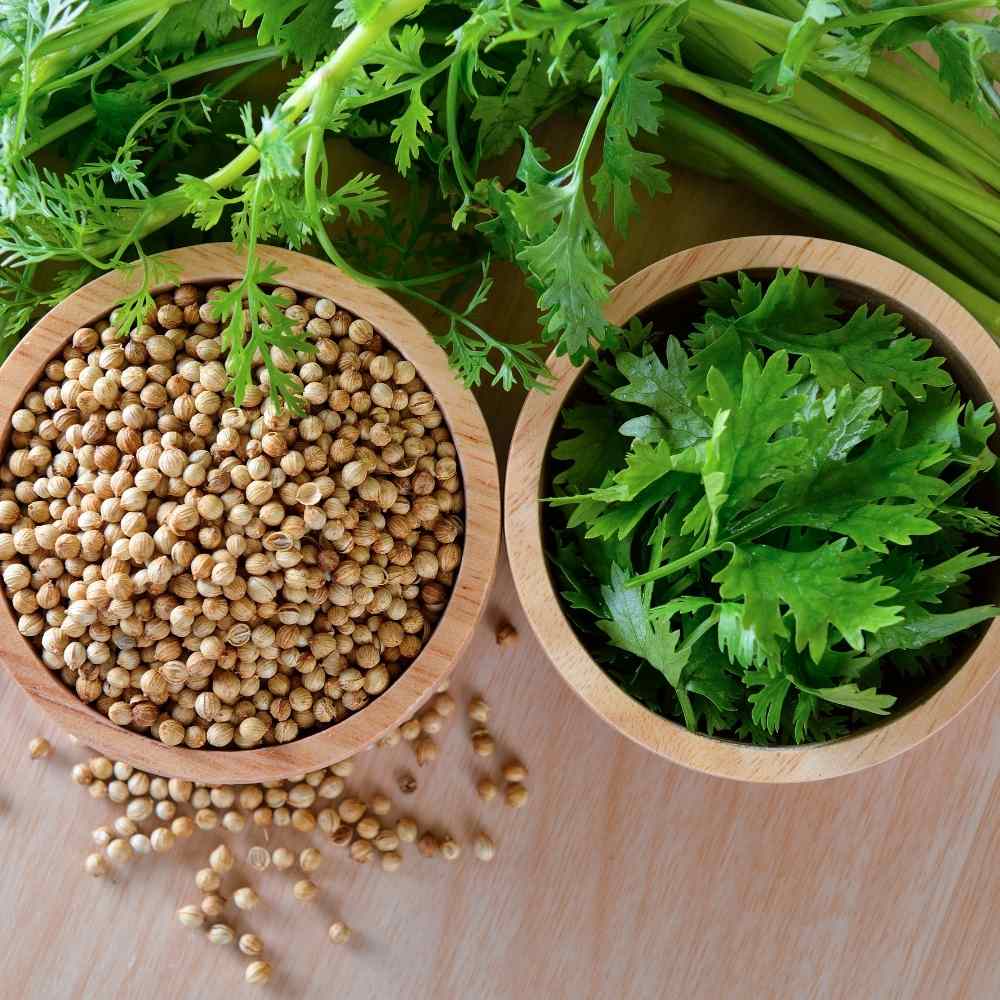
(221, 934)
(305, 890)
(207, 879)
(486, 789)
(406, 830)
(39, 747)
(190, 916)
(450, 848)
(283, 858)
(245, 898)
(483, 846)
(250, 945)
(428, 845)
(221, 859)
(96, 865)
(310, 859)
(213, 905)
(514, 771)
(515, 795)
(259, 858)
(339, 932)
(258, 972)
(479, 711)
(119, 851)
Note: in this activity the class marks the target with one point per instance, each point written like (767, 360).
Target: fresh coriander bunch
(765, 527)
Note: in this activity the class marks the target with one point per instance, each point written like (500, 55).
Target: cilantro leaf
(191, 24)
(590, 452)
(818, 588)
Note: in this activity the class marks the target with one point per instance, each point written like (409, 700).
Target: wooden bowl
(220, 263)
(974, 359)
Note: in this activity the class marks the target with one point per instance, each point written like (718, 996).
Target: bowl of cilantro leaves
(758, 537)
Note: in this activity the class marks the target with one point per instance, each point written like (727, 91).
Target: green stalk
(772, 34)
(858, 140)
(924, 91)
(56, 54)
(234, 54)
(777, 183)
(928, 226)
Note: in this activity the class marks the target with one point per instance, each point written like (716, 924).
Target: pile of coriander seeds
(232, 576)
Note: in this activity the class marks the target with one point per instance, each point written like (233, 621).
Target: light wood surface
(624, 877)
(220, 263)
(861, 274)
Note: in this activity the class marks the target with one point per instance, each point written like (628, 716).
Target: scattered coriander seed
(234, 821)
(81, 774)
(361, 851)
(515, 794)
(101, 767)
(450, 848)
(514, 770)
(351, 810)
(327, 820)
(483, 846)
(221, 859)
(165, 810)
(431, 723)
(282, 816)
(182, 827)
(179, 790)
(406, 782)
(191, 916)
(118, 792)
(96, 865)
(406, 830)
(213, 905)
(39, 747)
(303, 820)
(339, 932)
(310, 859)
(98, 789)
(410, 730)
(387, 840)
(444, 705)
(391, 861)
(140, 843)
(505, 633)
(367, 828)
(119, 851)
(206, 819)
(486, 789)
(250, 945)
(259, 857)
(428, 845)
(207, 879)
(381, 804)
(331, 788)
(221, 934)
(426, 750)
(139, 810)
(245, 898)
(343, 769)
(122, 770)
(479, 711)
(103, 836)
(200, 798)
(482, 743)
(258, 973)
(305, 890)
(390, 739)
(342, 836)
(162, 839)
(125, 827)
(283, 858)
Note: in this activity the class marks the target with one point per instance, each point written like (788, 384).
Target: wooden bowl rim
(218, 263)
(885, 280)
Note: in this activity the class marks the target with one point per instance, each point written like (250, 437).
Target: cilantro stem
(777, 182)
(693, 557)
(857, 137)
(92, 69)
(235, 54)
(899, 14)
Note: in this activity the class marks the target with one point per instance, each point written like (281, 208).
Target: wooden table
(623, 877)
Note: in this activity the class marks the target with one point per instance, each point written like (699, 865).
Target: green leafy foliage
(767, 548)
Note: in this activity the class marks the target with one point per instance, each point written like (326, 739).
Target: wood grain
(220, 263)
(624, 878)
(866, 276)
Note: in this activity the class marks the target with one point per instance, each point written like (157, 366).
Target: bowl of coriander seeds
(231, 593)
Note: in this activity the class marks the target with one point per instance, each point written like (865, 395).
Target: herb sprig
(762, 529)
